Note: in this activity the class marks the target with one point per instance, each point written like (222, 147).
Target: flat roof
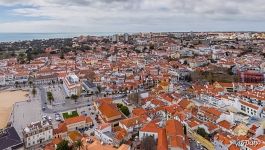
(10, 139)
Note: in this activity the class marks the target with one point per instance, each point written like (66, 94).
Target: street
(65, 105)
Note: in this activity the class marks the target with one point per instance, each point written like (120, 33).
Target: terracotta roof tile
(108, 110)
(249, 104)
(150, 127)
(224, 124)
(162, 140)
(184, 103)
(75, 119)
(130, 122)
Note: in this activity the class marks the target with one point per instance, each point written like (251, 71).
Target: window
(243, 108)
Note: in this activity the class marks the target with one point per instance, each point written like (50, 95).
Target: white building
(131, 124)
(9, 78)
(150, 129)
(72, 85)
(115, 38)
(37, 133)
(104, 133)
(126, 37)
(2, 79)
(249, 109)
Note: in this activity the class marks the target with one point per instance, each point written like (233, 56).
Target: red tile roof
(224, 124)
(150, 127)
(77, 119)
(130, 122)
(249, 105)
(162, 140)
(175, 134)
(184, 103)
(109, 110)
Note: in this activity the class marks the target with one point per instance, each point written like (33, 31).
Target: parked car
(44, 117)
(50, 118)
(58, 117)
(84, 113)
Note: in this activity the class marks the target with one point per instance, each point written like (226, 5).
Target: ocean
(12, 37)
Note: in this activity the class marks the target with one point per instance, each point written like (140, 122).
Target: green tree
(13, 54)
(34, 91)
(202, 132)
(29, 56)
(21, 58)
(125, 110)
(63, 145)
(79, 144)
(62, 54)
(185, 130)
(30, 83)
(74, 97)
(50, 97)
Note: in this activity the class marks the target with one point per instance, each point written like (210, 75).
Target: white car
(57, 118)
(44, 117)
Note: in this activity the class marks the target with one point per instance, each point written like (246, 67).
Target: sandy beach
(7, 99)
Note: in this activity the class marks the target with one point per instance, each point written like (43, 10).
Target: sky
(38, 16)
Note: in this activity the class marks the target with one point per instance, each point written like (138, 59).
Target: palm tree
(34, 91)
(74, 97)
(53, 83)
(16, 84)
(63, 145)
(79, 144)
(30, 83)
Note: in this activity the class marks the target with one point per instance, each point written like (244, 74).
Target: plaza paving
(26, 112)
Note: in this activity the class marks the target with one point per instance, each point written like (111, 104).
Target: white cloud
(136, 15)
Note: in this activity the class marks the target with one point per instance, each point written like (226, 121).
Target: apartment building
(37, 133)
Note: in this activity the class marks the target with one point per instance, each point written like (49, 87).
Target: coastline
(18, 37)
